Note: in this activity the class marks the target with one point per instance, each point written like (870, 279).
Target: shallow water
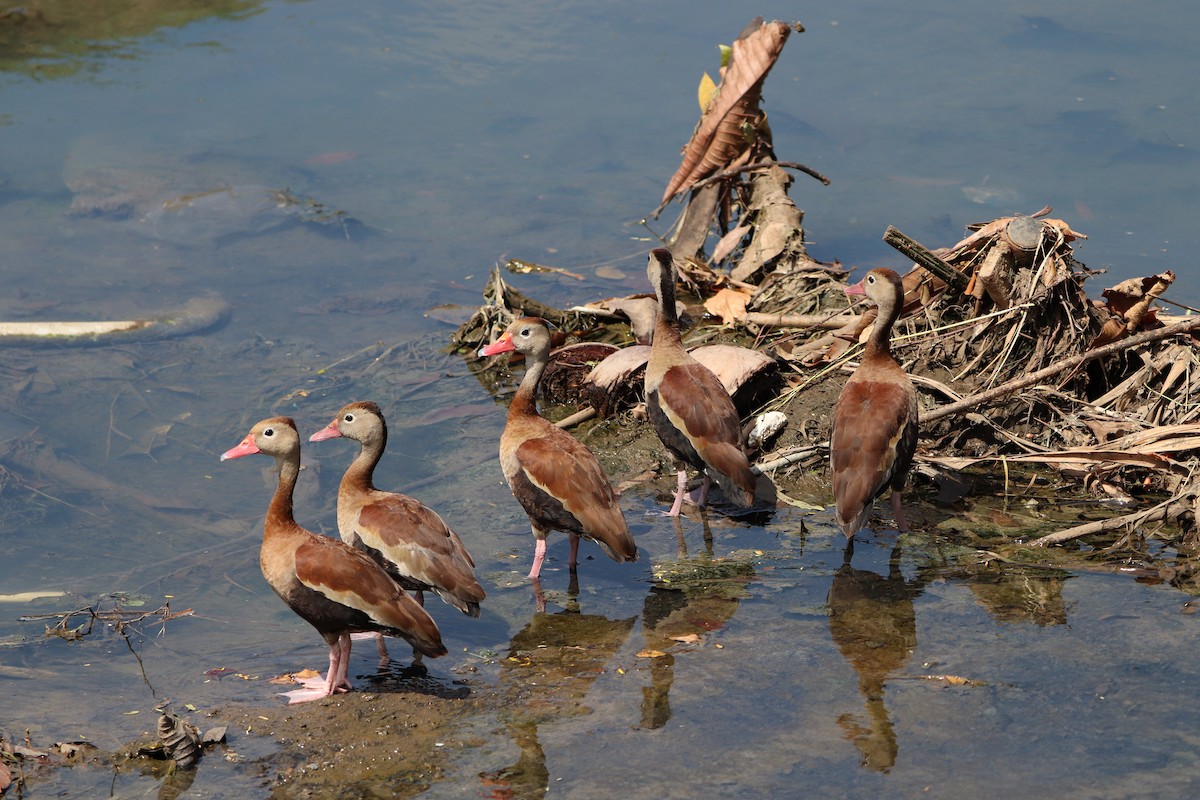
(452, 139)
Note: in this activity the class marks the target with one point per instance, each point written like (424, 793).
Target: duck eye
(268, 432)
(870, 279)
(348, 418)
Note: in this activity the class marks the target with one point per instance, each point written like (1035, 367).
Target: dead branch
(1187, 326)
(1166, 510)
(920, 254)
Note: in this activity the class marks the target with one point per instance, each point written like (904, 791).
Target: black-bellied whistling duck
(688, 406)
(556, 479)
(335, 588)
(874, 431)
(408, 539)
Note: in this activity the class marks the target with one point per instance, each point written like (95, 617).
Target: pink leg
(704, 491)
(574, 562)
(901, 524)
(539, 555)
(384, 658)
(680, 491)
(340, 682)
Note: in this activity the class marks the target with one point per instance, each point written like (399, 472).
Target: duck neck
(666, 328)
(880, 341)
(361, 472)
(524, 402)
(279, 513)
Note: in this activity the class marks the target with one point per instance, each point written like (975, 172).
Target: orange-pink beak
(330, 431)
(502, 345)
(246, 448)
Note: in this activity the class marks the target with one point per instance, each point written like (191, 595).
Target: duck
(555, 478)
(689, 408)
(874, 431)
(408, 539)
(334, 587)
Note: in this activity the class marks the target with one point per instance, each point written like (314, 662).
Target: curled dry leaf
(180, 740)
(686, 638)
(1130, 302)
(721, 136)
(616, 381)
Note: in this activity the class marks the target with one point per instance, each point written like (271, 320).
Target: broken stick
(923, 256)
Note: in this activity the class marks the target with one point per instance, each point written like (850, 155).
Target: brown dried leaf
(729, 243)
(734, 366)
(295, 677)
(651, 654)
(180, 740)
(729, 304)
(719, 138)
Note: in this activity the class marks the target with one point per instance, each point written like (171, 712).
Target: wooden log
(926, 259)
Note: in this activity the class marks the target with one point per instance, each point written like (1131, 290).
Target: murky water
(448, 139)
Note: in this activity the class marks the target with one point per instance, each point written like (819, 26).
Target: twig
(725, 173)
(582, 415)
(1158, 512)
(920, 254)
(1187, 326)
(820, 321)
(757, 165)
(799, 454)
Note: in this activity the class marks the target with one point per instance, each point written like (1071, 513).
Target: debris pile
(1017, 365)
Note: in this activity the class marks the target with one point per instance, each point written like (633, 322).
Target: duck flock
(392, 545)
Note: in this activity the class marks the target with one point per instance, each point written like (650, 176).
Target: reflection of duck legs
(873, 622)
(539, 597)
(551, 665)
(701, 596)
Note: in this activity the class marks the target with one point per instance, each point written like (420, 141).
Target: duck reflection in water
(550, 667)
(690, 598)
(873, 622)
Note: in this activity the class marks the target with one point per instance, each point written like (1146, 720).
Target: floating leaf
(651, 654)
(687, 638)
